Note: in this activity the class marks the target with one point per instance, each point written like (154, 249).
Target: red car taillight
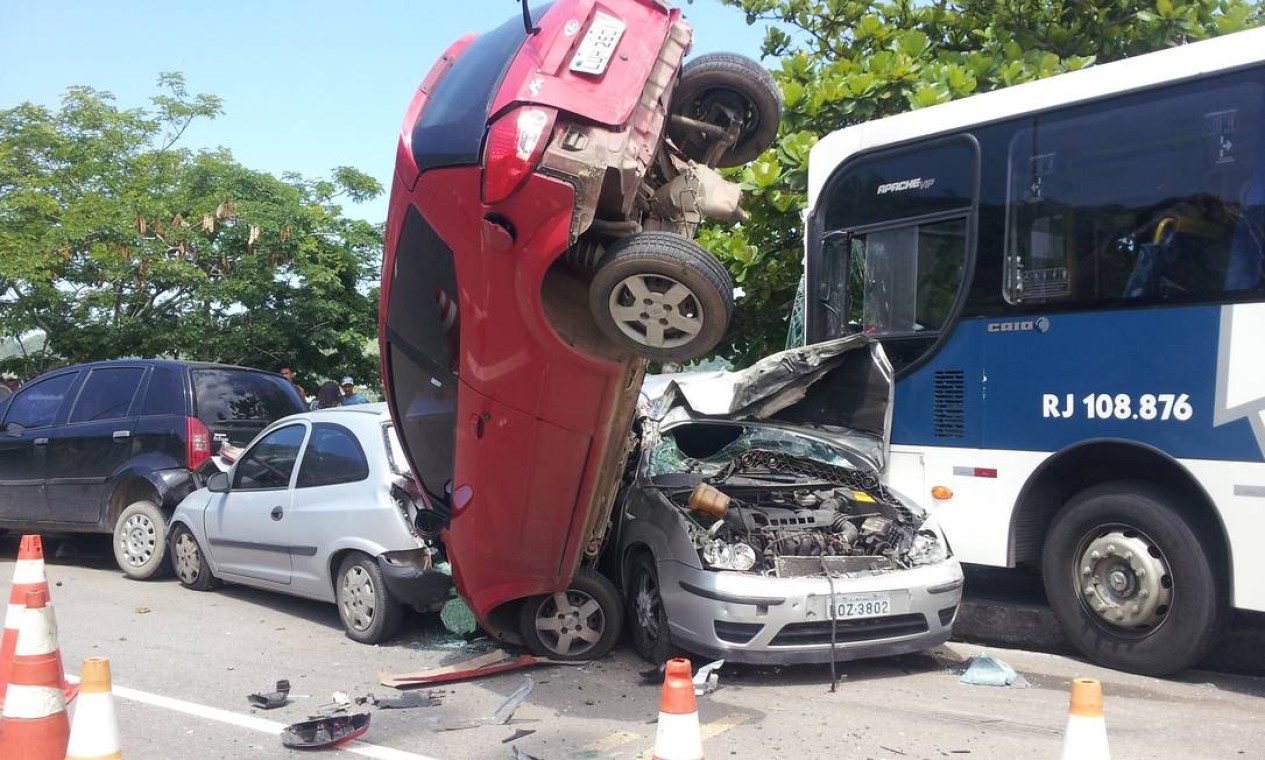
(197, 442)
(515, 144)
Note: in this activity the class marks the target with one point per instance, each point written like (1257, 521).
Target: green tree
(841, 62)
(115, 241)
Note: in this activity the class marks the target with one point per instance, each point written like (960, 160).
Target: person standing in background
(288, 374)
(350, 397)
(328, 396)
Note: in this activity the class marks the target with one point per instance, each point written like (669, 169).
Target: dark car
(112, 447)
(550, 177)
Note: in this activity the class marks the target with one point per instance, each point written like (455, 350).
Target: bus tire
(1130, 580)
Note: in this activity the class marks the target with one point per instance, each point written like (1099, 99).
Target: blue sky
(307, 86)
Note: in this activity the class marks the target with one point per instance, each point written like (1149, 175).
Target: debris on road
(511, 703)
(457, 617)
(496, 661)
(707, 678)
(518, 734)
(983, 670)
(518, 754)
(273, 699)
(408, 700)
(325, 732)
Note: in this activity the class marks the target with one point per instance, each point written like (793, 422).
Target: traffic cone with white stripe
(94, 733)
(28, 575)
(33, 724)
(1086, 735)
(678, 737)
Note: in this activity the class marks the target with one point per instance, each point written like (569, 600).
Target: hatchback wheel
(661, 296)
(647, 618)
(727, 91)
(139, 547)
(369, 613)
(581, 623)
(191, 566)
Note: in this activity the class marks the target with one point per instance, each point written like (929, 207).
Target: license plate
(598, 45)
(852, 606)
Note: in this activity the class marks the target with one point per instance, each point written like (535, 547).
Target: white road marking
(355, 747)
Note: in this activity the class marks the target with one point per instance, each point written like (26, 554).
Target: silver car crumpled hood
(840, 390)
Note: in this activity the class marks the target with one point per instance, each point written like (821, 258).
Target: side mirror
(217, 483)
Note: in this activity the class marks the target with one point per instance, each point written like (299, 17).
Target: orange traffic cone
(1086, 735)
(678, 737)
(33, 725)
(94, 734)
(28, 575)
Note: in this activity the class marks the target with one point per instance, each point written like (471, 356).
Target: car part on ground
(757, 528)
(1130, 581)
(271, 700)
(328, 731)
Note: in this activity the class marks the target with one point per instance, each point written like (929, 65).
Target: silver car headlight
(929, 547)
(722, 555)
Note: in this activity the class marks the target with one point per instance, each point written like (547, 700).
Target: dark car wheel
(721, 89)
(661, 296)
(369, 613)
(647, 619)
(1130, 581)
(581, 623)
(139, 547)
(190, 563)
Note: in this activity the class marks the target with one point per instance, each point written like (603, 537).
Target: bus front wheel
(1130, 580)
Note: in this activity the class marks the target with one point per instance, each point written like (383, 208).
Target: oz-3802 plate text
(1117, 406)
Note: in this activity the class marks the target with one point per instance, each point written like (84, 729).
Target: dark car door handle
(121, 434)
(40, 441)
(277, 513)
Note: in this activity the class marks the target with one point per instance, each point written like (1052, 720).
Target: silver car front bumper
(747, 617)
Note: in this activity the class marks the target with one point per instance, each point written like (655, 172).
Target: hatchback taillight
(197, 442)
(515, 144)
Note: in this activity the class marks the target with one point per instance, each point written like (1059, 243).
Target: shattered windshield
(709, 449)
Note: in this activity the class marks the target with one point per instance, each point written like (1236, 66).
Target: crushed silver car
(755, 525)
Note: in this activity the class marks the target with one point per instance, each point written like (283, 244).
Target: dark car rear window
(450, 130)
(228, 394)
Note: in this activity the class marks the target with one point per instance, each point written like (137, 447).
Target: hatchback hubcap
(188, 563)
(359, 599)
(656, 311)
(570, 622)
(646, 604)
(138, 540)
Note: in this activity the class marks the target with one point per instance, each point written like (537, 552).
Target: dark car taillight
(197, 442)
(515, 144)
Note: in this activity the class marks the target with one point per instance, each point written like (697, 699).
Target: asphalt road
(183, 663)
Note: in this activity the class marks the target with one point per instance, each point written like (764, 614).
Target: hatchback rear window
(450, 130)
(224, 394)
(107, 394)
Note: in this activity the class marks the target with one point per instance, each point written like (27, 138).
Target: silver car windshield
(666, 458)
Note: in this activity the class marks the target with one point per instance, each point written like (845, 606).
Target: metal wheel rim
(1123, 580)
(138, 539)
(358, 598)
(647, 605)
(570, 623)
(656, 311)
(188, 559)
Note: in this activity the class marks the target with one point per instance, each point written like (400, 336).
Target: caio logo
(1040, 324)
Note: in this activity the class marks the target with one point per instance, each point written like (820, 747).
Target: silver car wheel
(138, 539)
(655, 310)
(358, 598)
(647, 605)
(570, 622)
(188, 558)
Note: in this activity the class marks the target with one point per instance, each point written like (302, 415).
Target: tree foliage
(842, 62)
(115, 242)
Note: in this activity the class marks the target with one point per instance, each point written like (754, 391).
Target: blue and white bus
(1067, 275)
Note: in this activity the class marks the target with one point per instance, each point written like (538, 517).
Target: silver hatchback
(320, 505)
(756, 527)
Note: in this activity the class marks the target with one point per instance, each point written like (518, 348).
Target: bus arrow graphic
(1241, 368)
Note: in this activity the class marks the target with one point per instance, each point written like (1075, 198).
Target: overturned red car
(549, 179)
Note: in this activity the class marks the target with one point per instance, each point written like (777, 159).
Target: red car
(549, 179)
